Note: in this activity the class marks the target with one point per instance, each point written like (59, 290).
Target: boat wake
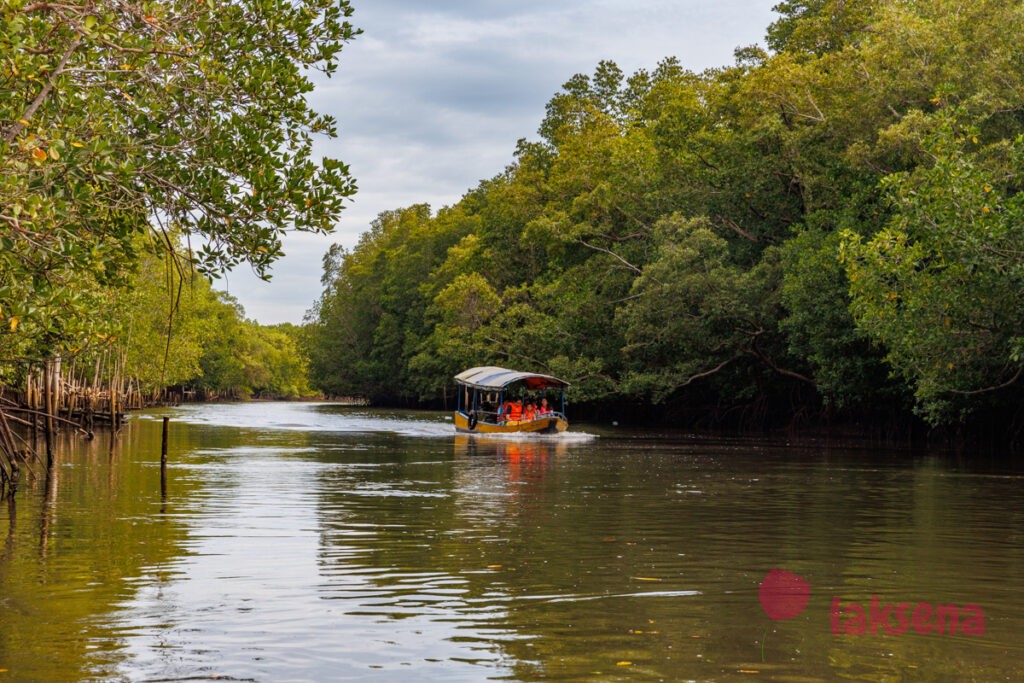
(532, 437)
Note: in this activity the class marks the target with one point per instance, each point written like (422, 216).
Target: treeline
(146, 146)
(162, 332)
(833, 226)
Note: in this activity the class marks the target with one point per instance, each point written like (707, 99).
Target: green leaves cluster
(171, 328)
(833, 222)
(940, 285)
(125, 123)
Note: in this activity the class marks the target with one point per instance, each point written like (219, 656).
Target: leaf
(39, 154)
(14, 323)
(54, 154)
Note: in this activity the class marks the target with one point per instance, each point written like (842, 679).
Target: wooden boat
(485, 395)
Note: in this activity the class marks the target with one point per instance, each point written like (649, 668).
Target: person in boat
(514, 411)
(488, 412)
(530, 412)
(543, 409)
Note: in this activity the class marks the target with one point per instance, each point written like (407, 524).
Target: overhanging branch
(20, 124)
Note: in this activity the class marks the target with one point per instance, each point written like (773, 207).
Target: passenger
(530, 413)
(504, 410)
(514, 413)
(543, 408)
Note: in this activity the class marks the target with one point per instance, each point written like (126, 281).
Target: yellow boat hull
(550, 424)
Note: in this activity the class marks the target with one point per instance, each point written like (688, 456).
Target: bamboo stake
(58, 389)
(163, 458)
(36, 413)
(10, 445)
(7, 452)
(48, 421)
(28, 386)
(115, 397)
(72, 392)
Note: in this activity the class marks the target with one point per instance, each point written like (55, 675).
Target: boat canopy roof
(492, 378)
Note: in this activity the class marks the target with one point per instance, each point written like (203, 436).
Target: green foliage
(940, 287)
(695, 311)
(154, 322)
(145, 146)
(819, 26)
(240, 358)
(369, 321)
(125, 119)
(797, 225)
(166, 327)
(272, 363)
(847, 370)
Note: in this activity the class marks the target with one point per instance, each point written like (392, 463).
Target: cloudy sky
(432, 97)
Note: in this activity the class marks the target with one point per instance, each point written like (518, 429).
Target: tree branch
(821, 116)
(771, 364)
(736, 228)
(997, 387)
(500, 344)
(19, 125)
(707, 373)
(140, 51)
(626, 263)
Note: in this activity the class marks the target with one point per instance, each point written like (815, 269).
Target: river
(318, 542)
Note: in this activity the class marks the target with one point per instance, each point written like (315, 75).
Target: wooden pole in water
(48, 401)
(113, 394)
(8, 453)
(33, 404)
(163, 458)
(119, 388)
(58, 388)
(69, 399)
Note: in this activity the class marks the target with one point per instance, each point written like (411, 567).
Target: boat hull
(546, 425)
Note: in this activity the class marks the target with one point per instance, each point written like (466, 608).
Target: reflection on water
(317, 542)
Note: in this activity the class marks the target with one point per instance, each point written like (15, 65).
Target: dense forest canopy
(832, 223)
(145, 147)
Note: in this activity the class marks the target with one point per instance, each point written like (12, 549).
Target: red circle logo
(783, 594)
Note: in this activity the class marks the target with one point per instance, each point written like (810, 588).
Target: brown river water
(318, 542)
